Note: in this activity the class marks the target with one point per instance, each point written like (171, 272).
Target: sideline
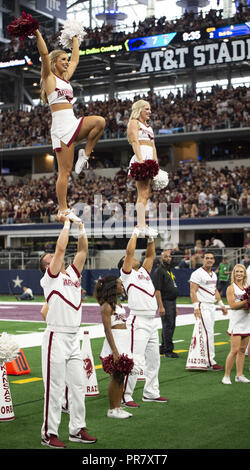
(29, 340)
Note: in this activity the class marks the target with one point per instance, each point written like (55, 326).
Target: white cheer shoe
(82, 161)
(118, 413)
(226, 381)
(241, 378)
(70, 214)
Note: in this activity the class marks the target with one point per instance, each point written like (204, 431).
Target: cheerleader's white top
(146, 134)
(63, 93)
(119, 316)
(239, 322)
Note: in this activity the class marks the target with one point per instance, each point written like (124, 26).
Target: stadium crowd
(200, 191)
(106, 34)
(192, 112)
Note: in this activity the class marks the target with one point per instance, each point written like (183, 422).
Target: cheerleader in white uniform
(117, 341)
(141, 137)
(66, 129)
(239, 325)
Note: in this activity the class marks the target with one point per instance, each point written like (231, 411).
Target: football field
(201, 414)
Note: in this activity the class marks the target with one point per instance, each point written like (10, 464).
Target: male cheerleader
(141, 321)
(61, 358)
(204, 295)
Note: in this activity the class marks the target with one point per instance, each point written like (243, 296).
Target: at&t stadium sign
(196, 56)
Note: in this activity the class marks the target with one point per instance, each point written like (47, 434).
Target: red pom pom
(142, 171)
(23, 27)
(246, 296)
(124, 365)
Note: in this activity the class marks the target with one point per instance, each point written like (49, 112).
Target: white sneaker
(150, 232)
(241, 378)
(82, 161)
(226, 381)
(70, 214)
(118, 413)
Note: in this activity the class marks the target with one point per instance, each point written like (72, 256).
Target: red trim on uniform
(238, 334)
(61, 78)
(52, 275)
(125, 272)
(208, 353)
(211, 275)
(58, 149)
(56, 292)
(146, 270)
(76, 270)
(132, 348)
(206, 290)
(66, 397)
(145, 292)
(48, 386)
(75, 133)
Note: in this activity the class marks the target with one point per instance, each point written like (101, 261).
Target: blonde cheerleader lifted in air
(66, 129)
(143, 166)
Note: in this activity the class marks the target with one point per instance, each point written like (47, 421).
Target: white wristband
(196, 305)
(151, 239)
(136, 232)
(66, 224)
(81, 231)
(220, 303)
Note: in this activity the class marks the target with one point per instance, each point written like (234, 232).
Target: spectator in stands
(247, 240)
(213, 210)
(217, 243)
(203, 209)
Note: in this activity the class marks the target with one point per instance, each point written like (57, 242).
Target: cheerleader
(116, 347)
(239, 324)
(66, 129)
(141, 137)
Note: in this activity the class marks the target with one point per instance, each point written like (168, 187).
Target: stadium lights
(107, 68)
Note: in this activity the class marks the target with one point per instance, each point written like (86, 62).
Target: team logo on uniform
(88, 366)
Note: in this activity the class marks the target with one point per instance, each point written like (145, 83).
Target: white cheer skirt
(65, 127)
(122, 342)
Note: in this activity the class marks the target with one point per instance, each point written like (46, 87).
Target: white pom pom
(160, 181)
(71, 29)
(8, 348)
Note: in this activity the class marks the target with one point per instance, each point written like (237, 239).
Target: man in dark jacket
(166, 294)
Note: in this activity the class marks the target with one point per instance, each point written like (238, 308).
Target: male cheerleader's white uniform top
(63, 295)
(140, 291)
(145, 134)
(239, 322)
(65, 125)
(207, 285)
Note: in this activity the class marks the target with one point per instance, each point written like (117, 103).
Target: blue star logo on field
(17, 282)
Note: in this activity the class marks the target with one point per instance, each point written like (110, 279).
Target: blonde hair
(233, 273)
(136, 111)
(137, 108)
(53, 56)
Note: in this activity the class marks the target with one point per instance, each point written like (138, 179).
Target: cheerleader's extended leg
(65, 158)
(92, 128)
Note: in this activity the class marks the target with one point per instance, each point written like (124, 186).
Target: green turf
(201, 413)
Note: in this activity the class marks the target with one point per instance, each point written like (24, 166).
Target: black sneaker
(172, 354)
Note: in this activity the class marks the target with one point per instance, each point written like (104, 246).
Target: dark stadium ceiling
(101, 73)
